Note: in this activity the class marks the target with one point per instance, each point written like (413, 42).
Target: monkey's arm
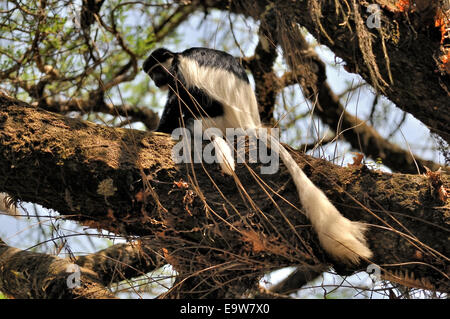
(200, 104)
(171, 116)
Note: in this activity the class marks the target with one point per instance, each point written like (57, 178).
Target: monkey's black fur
(191, 102)
(216, 59)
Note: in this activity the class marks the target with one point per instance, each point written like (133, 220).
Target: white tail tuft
(223, 154)
(341, 238)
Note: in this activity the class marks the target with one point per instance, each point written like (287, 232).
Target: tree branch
(22, 278)
(27, 274)
(96, 103)
(203, 224)
(121, 261)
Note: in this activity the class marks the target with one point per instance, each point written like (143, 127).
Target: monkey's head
(157, 66)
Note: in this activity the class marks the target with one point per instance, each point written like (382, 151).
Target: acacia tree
(72, 89)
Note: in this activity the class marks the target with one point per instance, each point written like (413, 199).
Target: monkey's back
(222, 77)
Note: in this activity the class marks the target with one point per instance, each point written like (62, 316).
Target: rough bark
(121, 261)
(214, 231)
(24, 274)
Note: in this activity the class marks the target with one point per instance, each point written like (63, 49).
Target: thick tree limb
(261, 66)
(123, 181)
(88, 10)
(25, 274)
(121, 261)
(135, 113)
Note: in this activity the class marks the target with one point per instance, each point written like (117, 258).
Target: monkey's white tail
(340, 237)
(224, 154)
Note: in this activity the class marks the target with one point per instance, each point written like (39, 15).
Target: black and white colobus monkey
(213, 85)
